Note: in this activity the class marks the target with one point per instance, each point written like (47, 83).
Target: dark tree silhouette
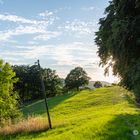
(29, 86)
(97, 84)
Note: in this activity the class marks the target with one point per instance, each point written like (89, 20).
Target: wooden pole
(45, 98)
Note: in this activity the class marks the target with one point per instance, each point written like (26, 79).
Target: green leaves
(118, 41)
(52, 82)
(76, 78)
(29, 83)
(8, 98)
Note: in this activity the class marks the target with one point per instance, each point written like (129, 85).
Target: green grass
(101, 114)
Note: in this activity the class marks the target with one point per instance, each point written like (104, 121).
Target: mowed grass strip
(105, 113)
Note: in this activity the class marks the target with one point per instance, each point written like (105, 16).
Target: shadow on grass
(132, 101)
(123, 127)
(38, 107)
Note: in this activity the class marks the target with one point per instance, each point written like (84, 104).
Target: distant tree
(8, 98)
(76, 78)
(118, 41)
(98, 84)
(53, 83)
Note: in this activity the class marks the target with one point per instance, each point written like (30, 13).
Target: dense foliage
(118, 40)
(8, 98)
(76, 78)
(52, 82)
(29, 84)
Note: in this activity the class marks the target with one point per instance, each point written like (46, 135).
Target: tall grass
(31, 124)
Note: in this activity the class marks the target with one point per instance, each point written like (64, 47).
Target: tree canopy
(29, 83)
(76, 78)
(53, 83)
(8, 98)
(118, 41)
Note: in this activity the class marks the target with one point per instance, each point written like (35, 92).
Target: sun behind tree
(118, 40)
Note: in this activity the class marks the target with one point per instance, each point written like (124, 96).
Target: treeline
(29, 88)
(29, 82)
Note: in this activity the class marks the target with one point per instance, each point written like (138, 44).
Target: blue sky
(58, 32)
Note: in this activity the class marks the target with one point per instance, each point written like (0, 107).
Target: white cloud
(91, 8)
(65, 54)
(64, 58)
(46, 14)
(72, 53)
(29, 26)
(49, 16)
(48, 35)
(46, 18)
(17, 19)
(80, 27)
(61, 57)
(20, 30)
(65, 8)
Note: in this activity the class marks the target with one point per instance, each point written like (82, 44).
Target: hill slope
(101, 114)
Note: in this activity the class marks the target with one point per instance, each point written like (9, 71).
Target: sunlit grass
(103, 113)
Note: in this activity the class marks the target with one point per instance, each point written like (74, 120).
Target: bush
(97, 84)
(8, 99)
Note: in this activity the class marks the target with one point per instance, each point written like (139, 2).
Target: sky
(60, 33)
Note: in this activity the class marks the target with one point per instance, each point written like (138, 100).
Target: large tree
(8, 98)
(76, 78)
(118, 41)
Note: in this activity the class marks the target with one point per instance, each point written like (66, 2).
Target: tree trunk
(77, 88)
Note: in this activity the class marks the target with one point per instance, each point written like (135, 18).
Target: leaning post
(44, 93)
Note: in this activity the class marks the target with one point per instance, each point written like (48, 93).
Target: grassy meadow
(102, 114)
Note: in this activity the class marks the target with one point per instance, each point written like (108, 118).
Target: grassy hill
(100, 114)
